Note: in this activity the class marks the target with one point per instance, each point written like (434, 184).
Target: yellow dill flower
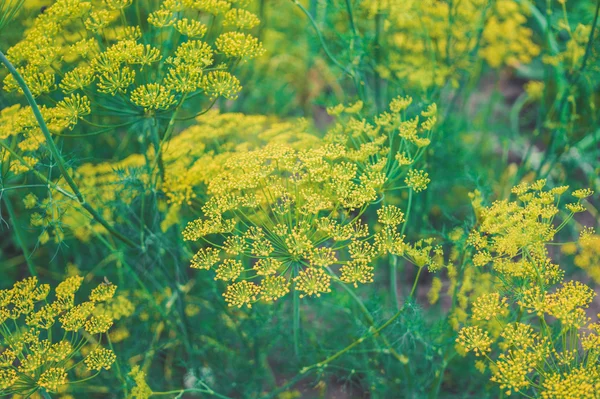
(580, 382)
(103, 292)
(519, 335)
(116, 308)
(433, 295)
(221, 84)
(241, 19)
(30, 201)
(417, 180)
(390, 215)
(489, 306)
(267, 266)
(98, 20)
(356, 272)
(59, 351)
(141, 390)
(116, 80)
(535, 89)
(582, 193)
(399, 104)
(336, 109)
(239, 45)
(53, 378)
(567, 304)
(77, 316)
(296, 202)
(512, 370)
(98, 324)
(191, 28)
(241, 293)
(205, 258)
(69, 287)
(77, 79)
(153, 96)
(403, 159)
(354, 108)
(100, 358)
(323, 257)
(74, 108)
(389, 241)
(195, 53)
(473, 338)
(7, 378)
(575, 207)
(274, 287)
(118, 4)
(230, 269)
(234, 245)
(39, 82)
(312, 281)
(161, 18)
(482, 258)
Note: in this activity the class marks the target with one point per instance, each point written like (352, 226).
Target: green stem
(372, 332)
(168, 131)
(296, 326)
(19, 236)
(378, 60)
(369, 317)
(45, 394)
(414, 287)
(43, 178)
(56, 153)
(408, 208)
(322, 40)
(180, 392)
(572, 79)
(394, 279)
(351, 17)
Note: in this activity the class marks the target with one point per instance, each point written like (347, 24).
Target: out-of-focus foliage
(384, 198)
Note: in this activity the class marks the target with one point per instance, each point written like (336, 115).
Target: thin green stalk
(45, 394)
(394, 279)
(371, 333)
(207, 390)
(43, 178)
(19, 236)
(394, 258)
(351, 18)
(414, 287)
(369, 317)
(408, 208)
(296, 326)
(572, 79)
(322, 40)
(118, 366)
(378, 60)
(158, 161)
(56, 153)
(9, 10)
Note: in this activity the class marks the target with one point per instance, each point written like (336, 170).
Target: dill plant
(355, 249)
(33, 358)
(136, 63)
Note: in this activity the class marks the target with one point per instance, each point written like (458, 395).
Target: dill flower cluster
(132, 61)
(43, 335)
(586, 253)
(532, 327)
(191, 159)
(292, 217)
(431, 42)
